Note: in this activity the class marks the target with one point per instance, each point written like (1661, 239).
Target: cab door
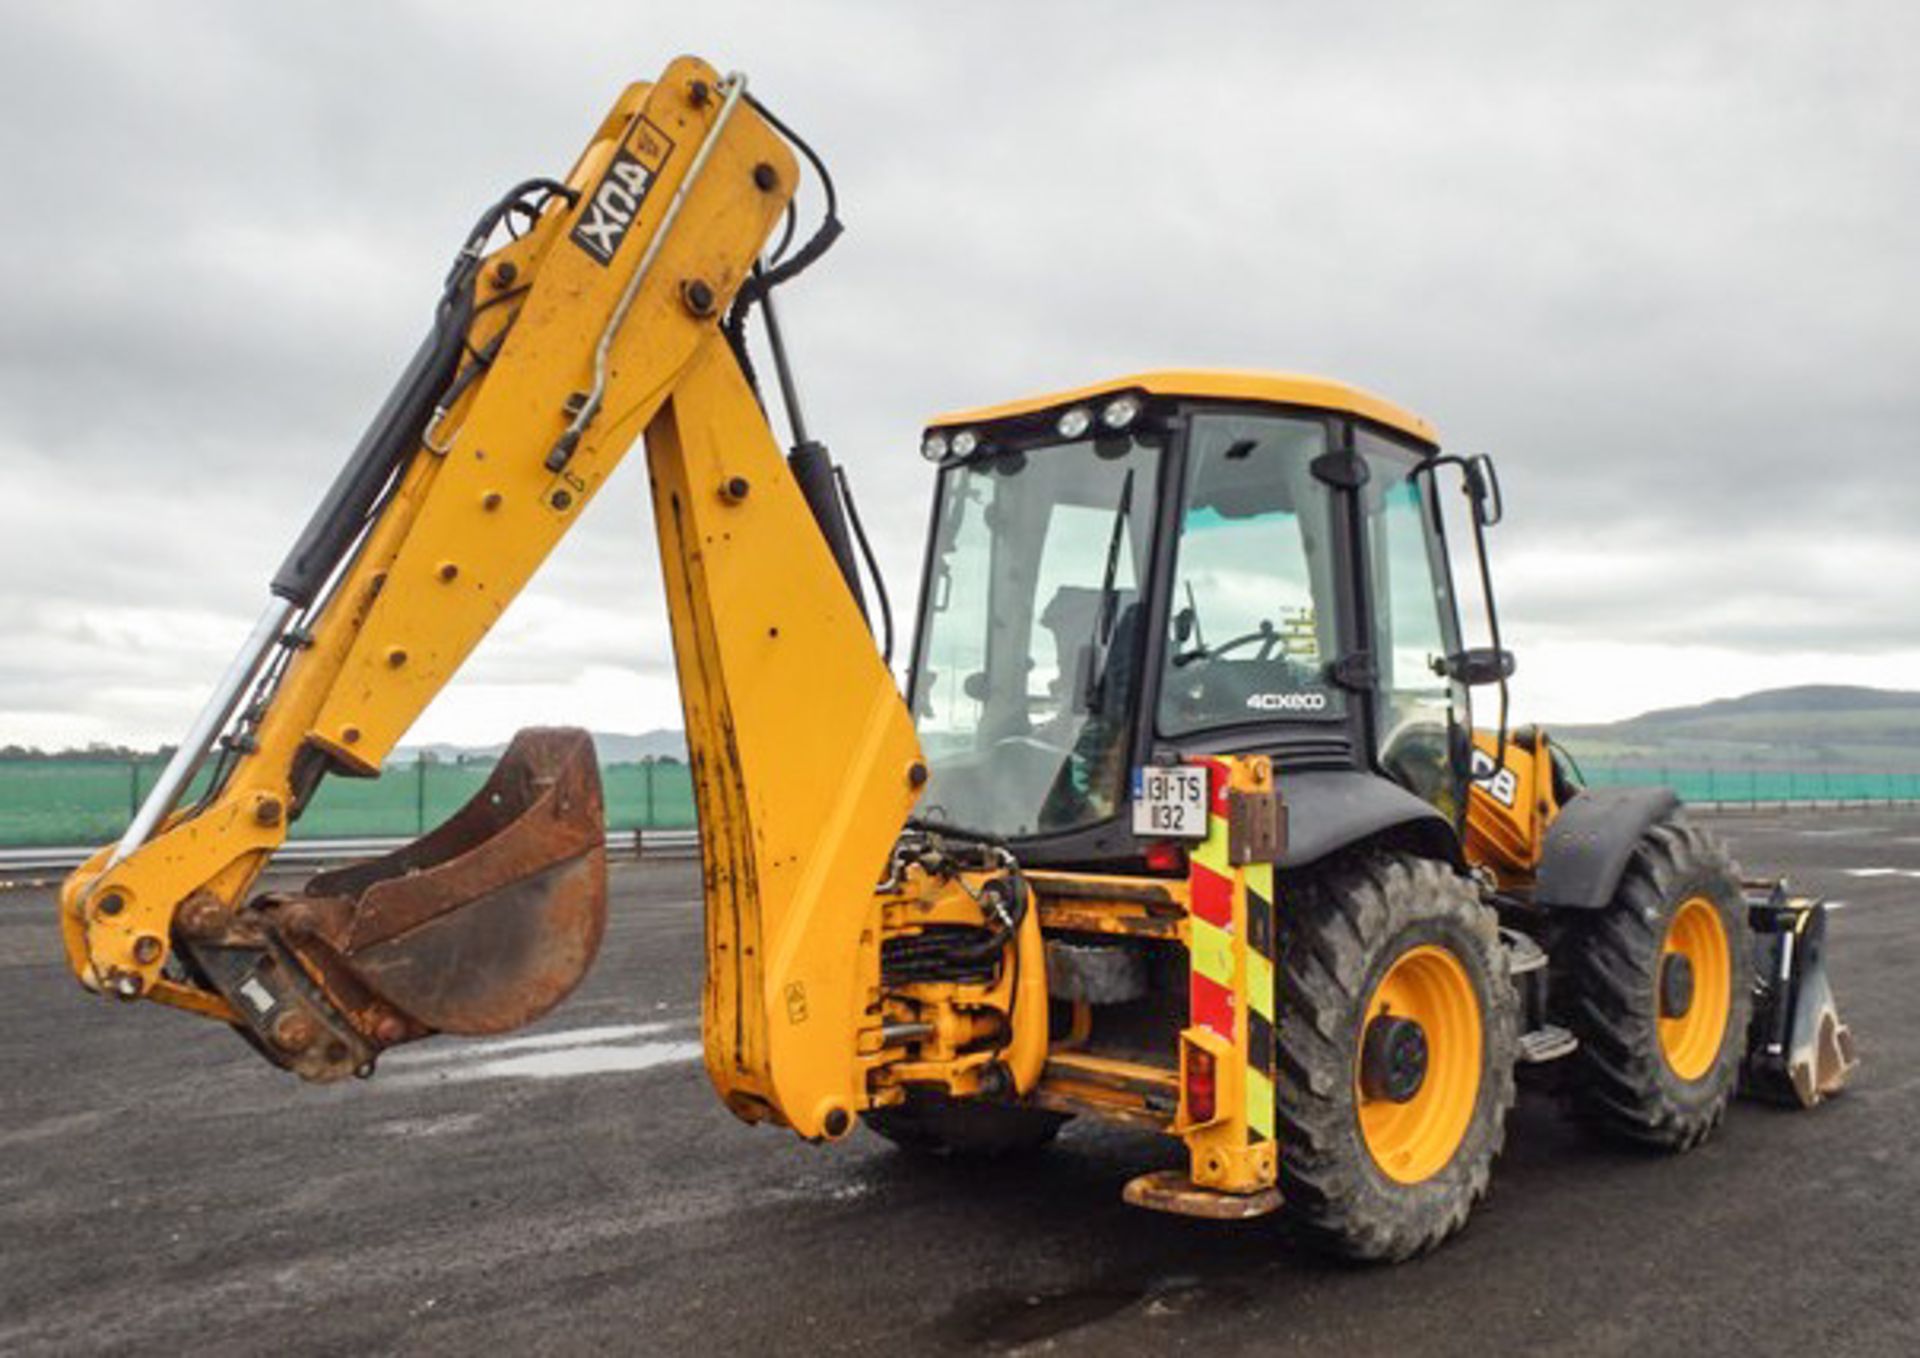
(1419, 714)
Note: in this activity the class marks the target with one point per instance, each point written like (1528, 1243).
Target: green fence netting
(87, 801)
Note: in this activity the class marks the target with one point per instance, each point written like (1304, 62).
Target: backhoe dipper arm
(548, 357)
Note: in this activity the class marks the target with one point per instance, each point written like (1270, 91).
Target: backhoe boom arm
(550, 355)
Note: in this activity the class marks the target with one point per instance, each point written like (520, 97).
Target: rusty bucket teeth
(478, 927)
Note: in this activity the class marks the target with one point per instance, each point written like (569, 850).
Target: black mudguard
(1590, 841)
(1330, 809)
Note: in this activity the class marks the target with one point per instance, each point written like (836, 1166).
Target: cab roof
(1295, 389)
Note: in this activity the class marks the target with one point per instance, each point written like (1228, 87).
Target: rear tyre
(933, 1124)
(1660, 993)
(1396, 1045)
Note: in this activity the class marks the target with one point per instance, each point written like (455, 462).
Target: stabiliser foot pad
(1170, 1190)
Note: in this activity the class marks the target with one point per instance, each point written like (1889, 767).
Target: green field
(78, 801)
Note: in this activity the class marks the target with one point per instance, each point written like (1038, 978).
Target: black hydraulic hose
(942, 956)
(873, 566)
(783, 269)
(830, 226)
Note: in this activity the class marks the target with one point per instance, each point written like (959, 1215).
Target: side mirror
(1477, 666)
(1483, 485)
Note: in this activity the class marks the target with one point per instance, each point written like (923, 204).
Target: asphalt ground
(581, 1190)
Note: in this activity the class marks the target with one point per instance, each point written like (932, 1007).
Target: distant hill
(612, 747)
(1811, 726)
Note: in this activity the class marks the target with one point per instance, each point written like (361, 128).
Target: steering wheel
(1267, 635)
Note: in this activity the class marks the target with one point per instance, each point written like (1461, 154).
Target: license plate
(1170, 802)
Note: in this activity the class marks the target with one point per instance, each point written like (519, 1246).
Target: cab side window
(1413, 622)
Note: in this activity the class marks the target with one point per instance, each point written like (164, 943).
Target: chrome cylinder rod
(783, 369)
(206, 728)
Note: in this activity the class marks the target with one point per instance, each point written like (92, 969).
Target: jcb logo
(1503, 786)
(611, 211)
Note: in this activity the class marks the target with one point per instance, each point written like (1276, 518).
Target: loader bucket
(1799, 1052)
(480, 926)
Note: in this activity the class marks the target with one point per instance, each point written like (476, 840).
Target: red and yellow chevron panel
(1230, 944)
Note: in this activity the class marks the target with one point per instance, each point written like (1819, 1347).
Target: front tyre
(1396, 1046)
(1659, 981)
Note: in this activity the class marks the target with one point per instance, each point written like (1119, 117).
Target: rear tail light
(1162, 856)
(1202, 1090)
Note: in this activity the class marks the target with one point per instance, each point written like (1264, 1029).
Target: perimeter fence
(79, 801)
(89, 801)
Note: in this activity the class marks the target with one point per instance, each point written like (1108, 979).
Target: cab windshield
(1030, 634)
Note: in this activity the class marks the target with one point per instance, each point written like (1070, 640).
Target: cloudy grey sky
(1660, 259)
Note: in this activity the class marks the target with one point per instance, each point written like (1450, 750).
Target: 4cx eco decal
(616, 200)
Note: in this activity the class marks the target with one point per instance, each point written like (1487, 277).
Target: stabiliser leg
(1799, 1052)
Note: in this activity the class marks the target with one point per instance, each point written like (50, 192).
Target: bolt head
(146, 950)
(698, 295)
(203, 917)
(293, 1032)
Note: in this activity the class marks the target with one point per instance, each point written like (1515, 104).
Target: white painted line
(570, 1037)
(412, 1128)
(1871, 872)
(560, 1063)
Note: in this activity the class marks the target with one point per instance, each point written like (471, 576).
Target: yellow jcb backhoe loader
(1183, 822)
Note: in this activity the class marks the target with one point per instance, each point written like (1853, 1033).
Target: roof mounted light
(1121, 411)
(965, 443)
(1073, 423)
(934, 447)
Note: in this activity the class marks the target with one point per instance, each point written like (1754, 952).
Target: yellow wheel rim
(1690, 1041)
(1414, 1140)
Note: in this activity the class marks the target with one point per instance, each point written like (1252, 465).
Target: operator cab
(1178, 564)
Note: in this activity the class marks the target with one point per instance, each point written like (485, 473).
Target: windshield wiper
(1104, 618)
